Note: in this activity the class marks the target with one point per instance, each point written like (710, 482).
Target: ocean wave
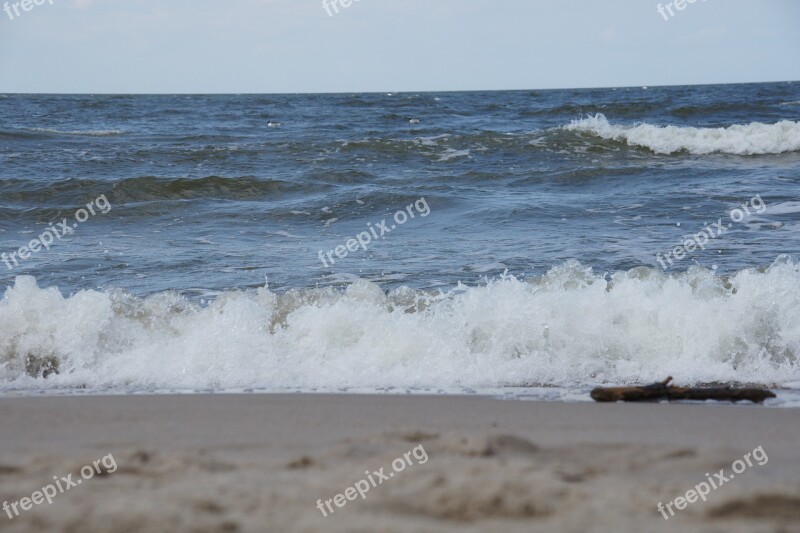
(615, 108)
(36, 133)
(568, 327)
(88, 133)
(452, 153)
(150, 188)
(718, 108)
(740, 139)
(433, 146)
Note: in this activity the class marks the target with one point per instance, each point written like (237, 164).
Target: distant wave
(739, 139)
(88, 133)
(34, 133)
(615, 108)
(150, 188)
(570, 326)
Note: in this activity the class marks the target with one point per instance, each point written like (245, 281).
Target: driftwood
(664, 391)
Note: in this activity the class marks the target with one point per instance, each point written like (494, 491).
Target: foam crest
(569, 327)
(88, 133)
(739, 139)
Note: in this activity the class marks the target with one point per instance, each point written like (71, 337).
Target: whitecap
(740, 139)
(569, 327)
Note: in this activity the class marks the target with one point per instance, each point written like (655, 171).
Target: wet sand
(260, 463)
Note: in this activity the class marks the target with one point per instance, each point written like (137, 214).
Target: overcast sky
(286, 46)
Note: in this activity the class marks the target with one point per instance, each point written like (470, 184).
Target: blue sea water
(222, 261)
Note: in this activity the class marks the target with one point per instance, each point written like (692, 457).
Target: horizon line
(394, 92)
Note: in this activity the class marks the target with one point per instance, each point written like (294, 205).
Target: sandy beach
(262, 462)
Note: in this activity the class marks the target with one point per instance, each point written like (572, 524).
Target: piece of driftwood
(664, 391)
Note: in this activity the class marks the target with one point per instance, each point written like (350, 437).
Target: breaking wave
(568, 327)
(739, 139)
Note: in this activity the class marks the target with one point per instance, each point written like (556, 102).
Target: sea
(520, 244)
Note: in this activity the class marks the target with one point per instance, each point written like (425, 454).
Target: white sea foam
(569, 327)
(431, 141)
(89, 133)
(740, 139)
(783, 208)
(452, 153)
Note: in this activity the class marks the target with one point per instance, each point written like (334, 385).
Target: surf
(570, 327)
(739, 139)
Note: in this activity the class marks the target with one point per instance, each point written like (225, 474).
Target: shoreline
(786, 397)
(233, 462)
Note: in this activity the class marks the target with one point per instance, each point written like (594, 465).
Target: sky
(290, 46)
